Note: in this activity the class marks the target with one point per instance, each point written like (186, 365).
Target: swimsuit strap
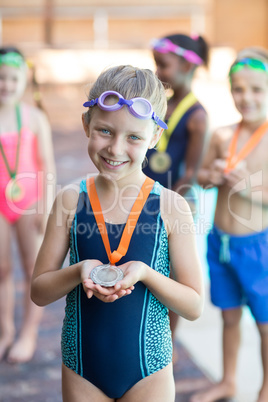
(133, 217)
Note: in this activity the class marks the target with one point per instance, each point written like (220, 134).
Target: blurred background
(68, 43)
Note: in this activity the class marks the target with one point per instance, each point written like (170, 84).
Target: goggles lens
(138, 107)
(254, 64)
(142, 108)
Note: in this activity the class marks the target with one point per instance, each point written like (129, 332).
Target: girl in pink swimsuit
(26, 164)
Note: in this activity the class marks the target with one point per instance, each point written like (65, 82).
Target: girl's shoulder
(175, 209)
(67, 197)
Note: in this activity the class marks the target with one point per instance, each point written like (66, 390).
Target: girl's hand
(85, 270)
(134, 271)
(216, 173)
(105, 294)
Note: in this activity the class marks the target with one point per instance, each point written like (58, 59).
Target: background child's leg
(231, 341)
(263, 329)
(7, 327)
(29, 240)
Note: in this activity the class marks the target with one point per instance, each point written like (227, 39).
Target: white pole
(1, 30)
(100, 26)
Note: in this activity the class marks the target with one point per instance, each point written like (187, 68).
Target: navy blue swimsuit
(176, 149)
(115, 345)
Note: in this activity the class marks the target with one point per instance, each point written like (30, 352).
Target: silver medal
(106, 275)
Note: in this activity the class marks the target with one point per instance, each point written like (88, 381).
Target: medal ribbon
(184, 105)
(12, 173)
(132, 220)
(233, 159)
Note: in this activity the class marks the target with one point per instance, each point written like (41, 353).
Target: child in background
(175, 159)
(237, 164)
(26, 157)
(116, 340)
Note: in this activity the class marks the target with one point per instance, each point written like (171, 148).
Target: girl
(236, 163)
(26, 158)
(116, 343)
(175, 159)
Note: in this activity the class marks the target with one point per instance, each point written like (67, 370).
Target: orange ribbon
(132, 220)
(233, 158)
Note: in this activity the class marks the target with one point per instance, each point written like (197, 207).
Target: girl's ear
(85, 123)
(156, 137)
(187, 66)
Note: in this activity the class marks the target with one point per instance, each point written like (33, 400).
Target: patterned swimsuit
(115, 345)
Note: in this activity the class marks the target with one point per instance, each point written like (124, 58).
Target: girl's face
(250, 93)
(118, 142)
(170, 68)
(12, 84)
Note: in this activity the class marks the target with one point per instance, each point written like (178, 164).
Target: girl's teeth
(113, 163)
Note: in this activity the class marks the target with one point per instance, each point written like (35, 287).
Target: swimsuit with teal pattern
(115, 345)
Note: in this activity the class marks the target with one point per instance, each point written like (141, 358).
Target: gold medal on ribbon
(14, 191)
(160, 162)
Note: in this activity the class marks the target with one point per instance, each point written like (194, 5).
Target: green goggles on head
(254, 64)
(12, 59)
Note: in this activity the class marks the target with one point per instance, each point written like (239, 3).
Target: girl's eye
(257, 89)
(105, 131)
(134, 137)
(237, 90)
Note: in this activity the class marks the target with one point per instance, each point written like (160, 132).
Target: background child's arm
(46, 159)
(197, 128)
(211, 172)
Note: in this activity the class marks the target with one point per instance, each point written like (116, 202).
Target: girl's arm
(49, 282)
(211, 172)
(197, 128)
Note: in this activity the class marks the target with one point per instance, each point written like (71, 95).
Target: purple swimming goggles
(165, 46)
(138, 107)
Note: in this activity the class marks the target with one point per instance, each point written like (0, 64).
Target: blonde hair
(131, 82)
(253, 52)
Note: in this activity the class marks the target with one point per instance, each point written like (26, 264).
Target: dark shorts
(239, 271)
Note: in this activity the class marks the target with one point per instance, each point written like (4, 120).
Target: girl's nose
(246, 96)
(116, 146)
